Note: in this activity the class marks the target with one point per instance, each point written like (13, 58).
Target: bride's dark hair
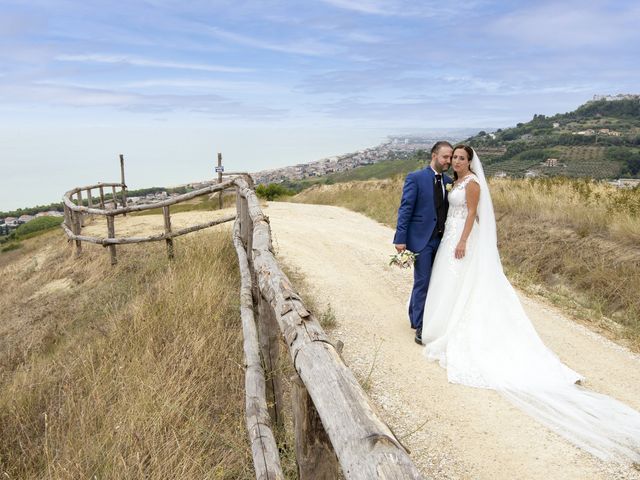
(469, 151)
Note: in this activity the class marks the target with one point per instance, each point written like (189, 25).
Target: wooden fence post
(314, 454)
(114, 196)
(80, 203)
(244, 224)
(111, 233)
(269, 336)
(220, 181)
(67, 216)
(89, 198)
(167, 230)
(101, 197)
(124, 185)
(75, 216)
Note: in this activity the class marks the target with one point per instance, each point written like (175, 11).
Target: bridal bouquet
(404, 259)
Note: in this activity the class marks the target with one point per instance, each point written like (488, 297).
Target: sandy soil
(452, 431)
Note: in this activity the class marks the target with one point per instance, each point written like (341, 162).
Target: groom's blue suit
(417, 229)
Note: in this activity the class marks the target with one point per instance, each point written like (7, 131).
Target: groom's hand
(401, 247)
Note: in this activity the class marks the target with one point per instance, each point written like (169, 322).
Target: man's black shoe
(418, 338)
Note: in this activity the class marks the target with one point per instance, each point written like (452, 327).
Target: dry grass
(573, 241)
(126, 372)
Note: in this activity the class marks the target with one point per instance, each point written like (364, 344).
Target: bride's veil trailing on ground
(533, 378)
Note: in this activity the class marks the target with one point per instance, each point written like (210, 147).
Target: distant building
(25, 218)
(551, 162)
(500, 174)
(556, 125)
(531, 174)
(612, 98)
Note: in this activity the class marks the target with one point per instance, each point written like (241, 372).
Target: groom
(421, 218)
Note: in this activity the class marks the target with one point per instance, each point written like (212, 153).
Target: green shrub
(272, 191)
(39, 224)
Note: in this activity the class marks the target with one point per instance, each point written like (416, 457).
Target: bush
(39, 224)
(273, 191)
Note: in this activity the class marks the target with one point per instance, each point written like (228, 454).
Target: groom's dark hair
(438, 145)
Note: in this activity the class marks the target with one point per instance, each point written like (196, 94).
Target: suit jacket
(417, 213)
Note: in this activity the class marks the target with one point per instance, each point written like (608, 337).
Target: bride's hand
(460, 249)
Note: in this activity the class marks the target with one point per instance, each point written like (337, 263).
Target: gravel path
(452, 431)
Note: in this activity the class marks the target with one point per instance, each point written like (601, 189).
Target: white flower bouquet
(404, 259)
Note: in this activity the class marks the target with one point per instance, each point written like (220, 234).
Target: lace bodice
(458, 197)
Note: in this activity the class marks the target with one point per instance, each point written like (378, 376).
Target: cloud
(146, 62)
(405, 8)
(573, 25)
(84, 97)
(297, 46)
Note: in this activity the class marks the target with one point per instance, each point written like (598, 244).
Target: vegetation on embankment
(573, 241)
(31, 229)
(133, 371)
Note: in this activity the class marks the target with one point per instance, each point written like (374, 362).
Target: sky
(274, 82)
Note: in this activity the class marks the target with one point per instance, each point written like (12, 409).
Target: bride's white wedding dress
(476, 328)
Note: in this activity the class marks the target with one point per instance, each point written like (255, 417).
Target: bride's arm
(472, 192)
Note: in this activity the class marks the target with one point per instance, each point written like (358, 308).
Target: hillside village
(396, 148)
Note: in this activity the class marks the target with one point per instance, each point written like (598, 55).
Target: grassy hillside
(600, 139)
(573, 241)
(126, 372)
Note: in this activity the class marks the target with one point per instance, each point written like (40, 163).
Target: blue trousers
(421, 276)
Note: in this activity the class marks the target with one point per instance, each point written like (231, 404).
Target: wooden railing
(333, 419)
(336, 427)
(75, 211)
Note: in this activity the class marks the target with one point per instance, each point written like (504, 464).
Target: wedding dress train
(476, 328)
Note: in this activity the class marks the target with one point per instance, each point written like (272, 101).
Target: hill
(127, 372)
(600, 139)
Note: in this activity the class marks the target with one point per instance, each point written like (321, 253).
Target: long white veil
(534, 379)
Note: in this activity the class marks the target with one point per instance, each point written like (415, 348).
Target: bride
(476, 328)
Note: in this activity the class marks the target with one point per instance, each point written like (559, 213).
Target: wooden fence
(336, 427)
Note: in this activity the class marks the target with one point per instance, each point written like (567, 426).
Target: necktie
(438, 192)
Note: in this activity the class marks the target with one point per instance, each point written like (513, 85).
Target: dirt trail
(452, 431)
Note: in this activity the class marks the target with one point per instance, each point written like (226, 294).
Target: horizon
(269, 84)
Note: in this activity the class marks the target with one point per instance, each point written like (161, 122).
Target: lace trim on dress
(460, 211)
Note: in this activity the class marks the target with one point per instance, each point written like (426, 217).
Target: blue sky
(271, 83)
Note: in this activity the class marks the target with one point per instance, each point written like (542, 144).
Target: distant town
(397, 147)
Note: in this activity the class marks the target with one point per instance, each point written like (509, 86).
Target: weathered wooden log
(111, 233)
(167, 230)
(138, 208)
(89, 198)
(264, 449)
(366, 447)
(269, 336)
(314, 454)
(150, 238)
(101, 197)
(247, 177)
